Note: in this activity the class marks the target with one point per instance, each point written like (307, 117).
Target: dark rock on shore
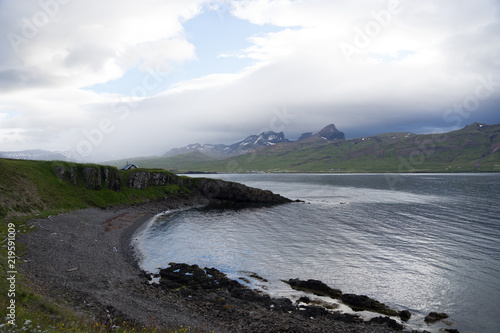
(355, 302)
(389, 322)
(315, 287)
(191, 276)
(435, 317)
(237, 308)
(363, 302)
(405, 315)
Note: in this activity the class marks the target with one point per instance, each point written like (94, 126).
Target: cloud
(367, 66)
(83, 43)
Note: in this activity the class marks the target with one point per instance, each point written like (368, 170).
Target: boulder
(391, 323)
(315, 287)
(363, 302)
(405, 315)
(435, 317)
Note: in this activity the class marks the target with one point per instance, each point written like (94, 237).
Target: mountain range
(254, 142)
(474, 148)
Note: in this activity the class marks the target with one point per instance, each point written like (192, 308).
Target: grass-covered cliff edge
(34, 187)
(30, 189)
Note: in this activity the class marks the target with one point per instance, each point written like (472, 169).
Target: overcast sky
(122, 78)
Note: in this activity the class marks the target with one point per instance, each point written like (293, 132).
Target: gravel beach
(84, 258)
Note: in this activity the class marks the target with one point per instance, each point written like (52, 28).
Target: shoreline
(73, 254)
(71, 258)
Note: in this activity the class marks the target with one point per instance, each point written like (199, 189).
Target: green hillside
(39, 188)
(34, 187)
(475, 148)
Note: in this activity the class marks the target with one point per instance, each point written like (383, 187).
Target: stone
(435, 317)
(315, 287)
(391, 323)
(363, 302)
(405, 315)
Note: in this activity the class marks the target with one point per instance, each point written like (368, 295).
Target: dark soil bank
(84, 257)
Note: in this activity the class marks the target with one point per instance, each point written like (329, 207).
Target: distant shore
(85, 257)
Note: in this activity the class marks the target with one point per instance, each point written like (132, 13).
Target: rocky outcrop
(143, 179)
(69, 175)
(363, 302)
(234, 192)
(435, 317)
(391, 323)
(102, 177)
(211, 294)
(355, 302)
(405, 315)
(315, 287)
(92, 177)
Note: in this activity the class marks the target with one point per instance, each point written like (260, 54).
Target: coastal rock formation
(435, 317)
(316, 287)
(93, 177)
(355, 302)
(102, 177)
(405, 315)
(240, 309)
(363, 302)
(391, 323)
(143, 179)
(234, 192)
(183, 275)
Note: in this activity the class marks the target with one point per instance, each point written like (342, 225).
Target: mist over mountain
(40, 155)
(329, 133)
(253, 142)
(474, 148)
(249, 144)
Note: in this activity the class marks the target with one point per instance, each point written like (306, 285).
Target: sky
(125, 78)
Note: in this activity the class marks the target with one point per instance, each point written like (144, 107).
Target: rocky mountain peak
(330, 133)
(253, 142)
(250, 143)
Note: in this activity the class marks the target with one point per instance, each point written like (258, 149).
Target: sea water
(422, 242)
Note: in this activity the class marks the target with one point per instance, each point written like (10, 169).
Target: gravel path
(84, 257)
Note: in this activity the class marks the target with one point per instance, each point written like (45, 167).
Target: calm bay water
(422, 242)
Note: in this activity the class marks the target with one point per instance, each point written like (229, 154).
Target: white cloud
(413, 61)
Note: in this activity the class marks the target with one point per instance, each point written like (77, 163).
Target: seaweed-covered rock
(316, 287)
(435, 317)
(405, 315)
(363, 302)
(193, 277)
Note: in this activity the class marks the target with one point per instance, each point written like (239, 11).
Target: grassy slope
(471, 149)
(32, 188)
(27, 187)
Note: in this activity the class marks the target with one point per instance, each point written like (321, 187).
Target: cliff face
(101, 177)
(234, 192)
(93, 177)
